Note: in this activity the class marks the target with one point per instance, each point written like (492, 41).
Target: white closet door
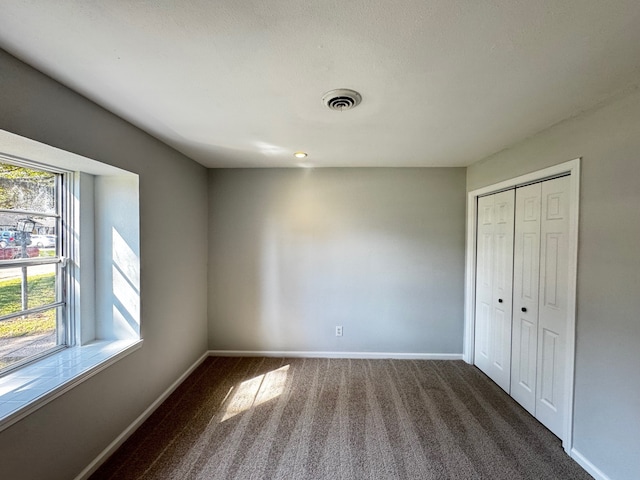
(494, 286)
(526, 274)
(553, 304)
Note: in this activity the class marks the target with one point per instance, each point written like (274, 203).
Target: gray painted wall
(62, 438)
(294, 252)
(607, 390)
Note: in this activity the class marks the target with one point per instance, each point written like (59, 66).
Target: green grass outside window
(41, 292)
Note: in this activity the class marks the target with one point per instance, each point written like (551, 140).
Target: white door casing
(494, 286)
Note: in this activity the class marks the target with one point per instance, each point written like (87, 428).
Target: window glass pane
(23, 337)
(26, 189)
(10, 290)
(12, 240)
(29, 220)
(42, 235)
(41, 285)
(45, 242)
(41, 288)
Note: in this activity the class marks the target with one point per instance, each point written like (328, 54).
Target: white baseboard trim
(113, 446)
(361, 355)
(591, 469)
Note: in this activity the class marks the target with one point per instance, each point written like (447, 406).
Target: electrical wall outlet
(339, 331)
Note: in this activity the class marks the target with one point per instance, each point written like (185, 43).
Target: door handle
(524, 309)
(499, 300)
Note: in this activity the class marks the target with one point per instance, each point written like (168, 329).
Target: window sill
(29, 388)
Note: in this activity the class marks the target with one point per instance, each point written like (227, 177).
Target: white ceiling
(235, 83)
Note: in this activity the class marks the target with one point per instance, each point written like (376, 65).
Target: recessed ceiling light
(300, 155)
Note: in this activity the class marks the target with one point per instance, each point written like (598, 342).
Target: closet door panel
(552, 316)
(484, 282)
(526, 275)
(503, 289)
(494, 286)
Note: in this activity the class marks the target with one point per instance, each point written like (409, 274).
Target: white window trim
(32, 386)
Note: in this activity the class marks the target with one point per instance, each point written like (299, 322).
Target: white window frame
(103, 275)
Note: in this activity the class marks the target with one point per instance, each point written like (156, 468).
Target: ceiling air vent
(341, 99)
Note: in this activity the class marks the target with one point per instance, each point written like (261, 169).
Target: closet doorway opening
(474, 323)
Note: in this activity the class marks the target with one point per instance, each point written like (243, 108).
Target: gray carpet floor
(269, 418)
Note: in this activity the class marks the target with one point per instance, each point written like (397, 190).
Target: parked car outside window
(43, 241)
(11, 238)
(7, 238)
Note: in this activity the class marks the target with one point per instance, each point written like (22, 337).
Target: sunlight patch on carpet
(256, 391)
